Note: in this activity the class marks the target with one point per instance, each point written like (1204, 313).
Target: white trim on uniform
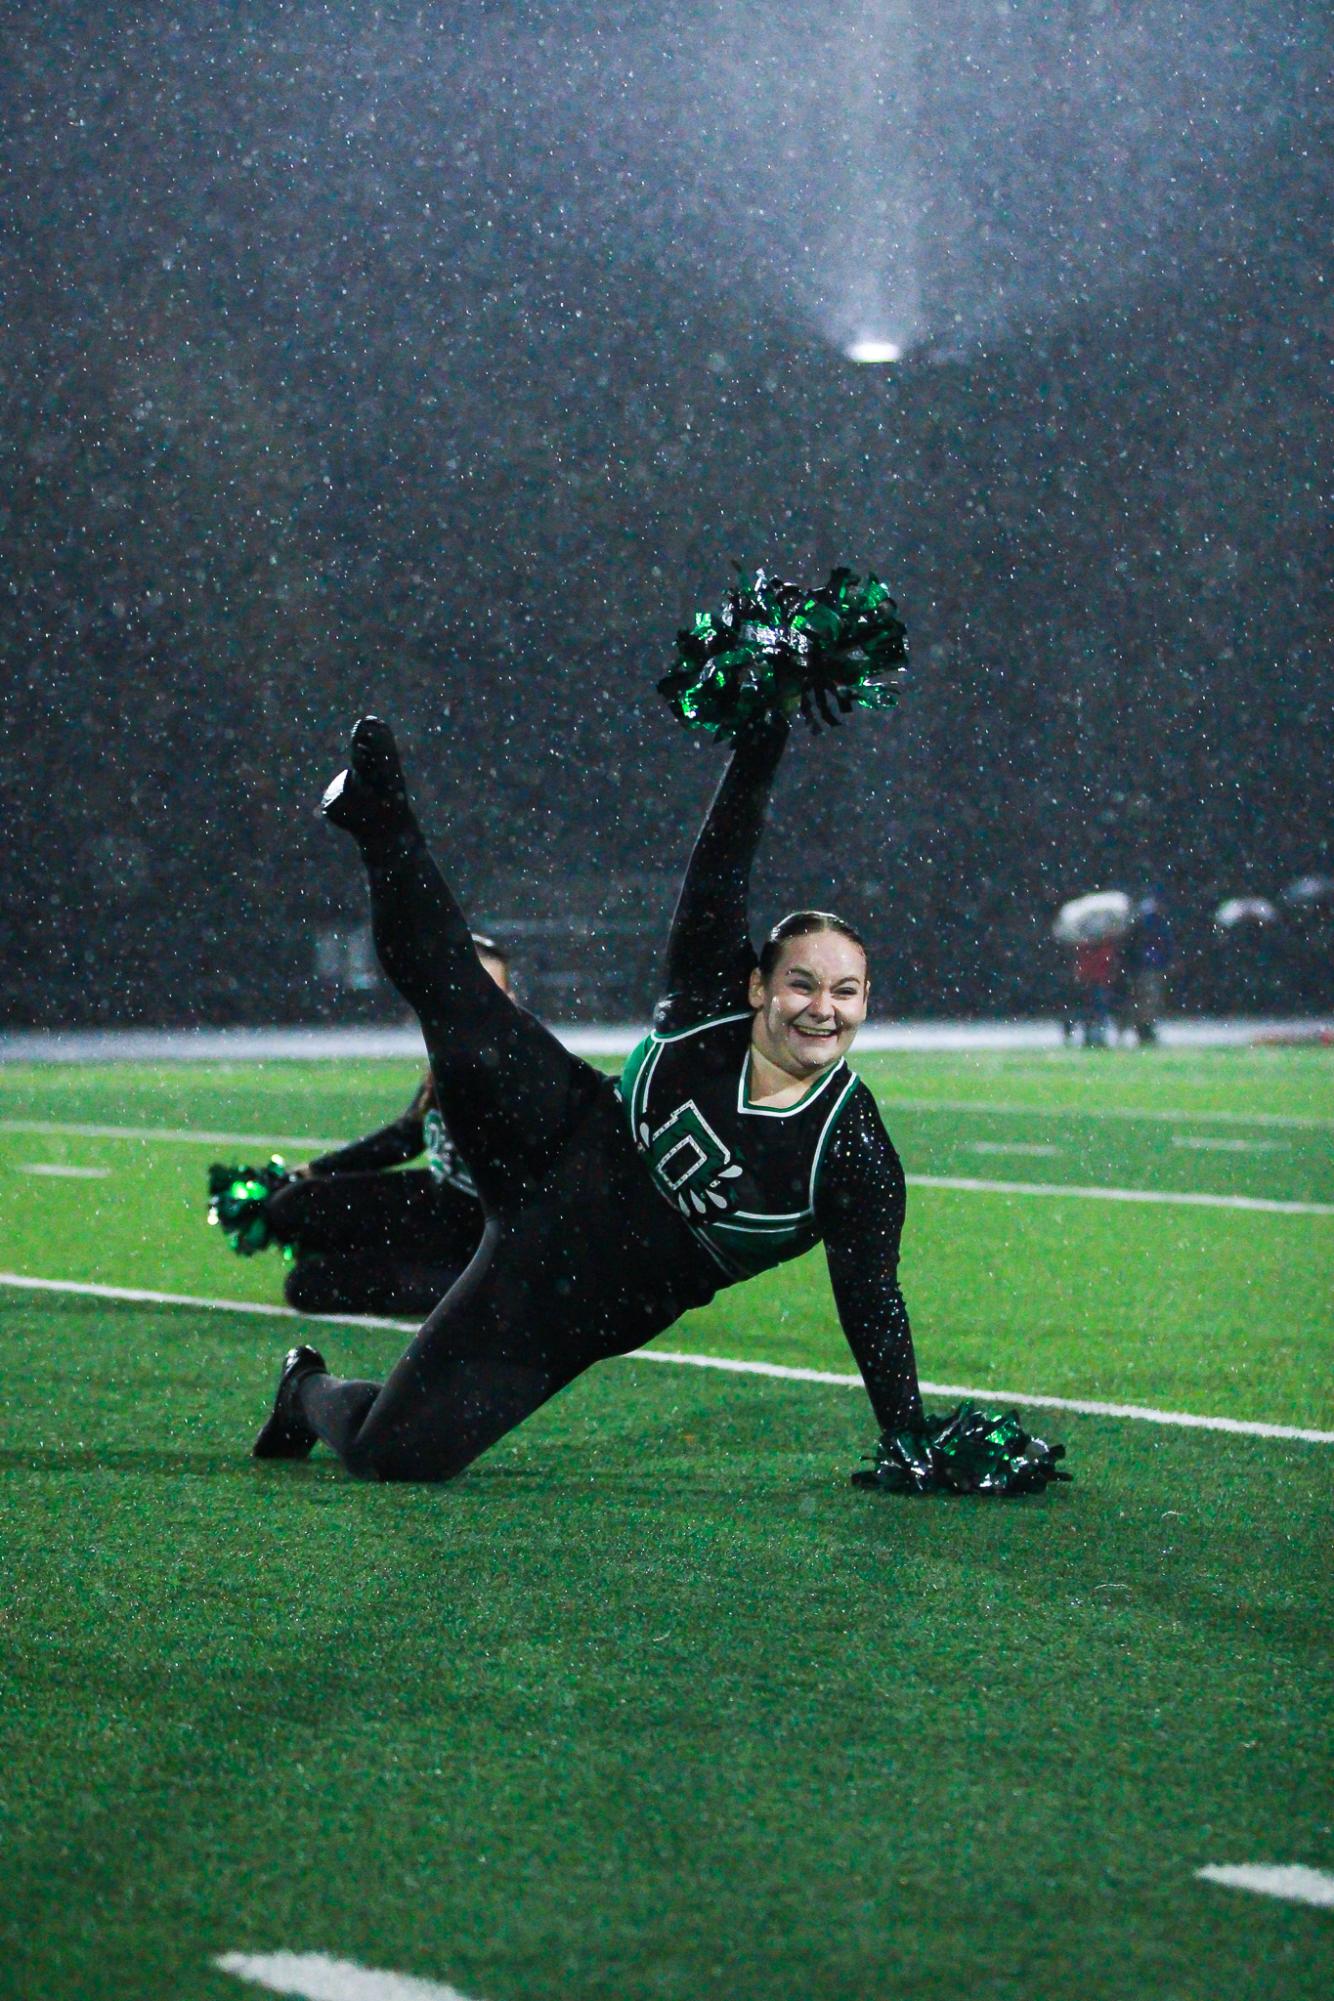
(782, 1111)
(639, 1089)
(764, 1216)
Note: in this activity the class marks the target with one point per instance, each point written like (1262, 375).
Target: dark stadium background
(362, 357)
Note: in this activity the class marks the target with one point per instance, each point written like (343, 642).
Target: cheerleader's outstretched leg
(535, 1307)
(550, 1289)
(506, 1086)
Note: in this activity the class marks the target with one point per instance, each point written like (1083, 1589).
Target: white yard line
(315, 1977)
(962, 1184)
(1173, 1115)
(186, 1136)
(1292, 1881)
(1199, 1144)
(780, 1370)
(969, 1185)
(58, 1171)
(1029, 1146)
(141, 1296)
(1086, 1408)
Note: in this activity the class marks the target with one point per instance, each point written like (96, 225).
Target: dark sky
(445, 359)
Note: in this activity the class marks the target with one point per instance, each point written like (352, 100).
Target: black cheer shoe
(370, 798)
(286, 1435)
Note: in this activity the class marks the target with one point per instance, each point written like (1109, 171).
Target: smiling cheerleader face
(811, 1005)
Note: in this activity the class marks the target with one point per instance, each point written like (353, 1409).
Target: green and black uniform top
(747, 1178)
(757, 1185)
(420, 1129)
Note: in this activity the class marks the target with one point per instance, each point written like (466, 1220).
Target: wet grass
(652, 1702)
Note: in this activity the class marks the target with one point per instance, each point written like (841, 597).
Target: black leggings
(580, 1258)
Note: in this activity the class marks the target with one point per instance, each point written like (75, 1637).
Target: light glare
(874, 350)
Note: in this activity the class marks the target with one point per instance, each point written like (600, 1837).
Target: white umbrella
(1309, 890)
(1244, 910)
(1086, 919)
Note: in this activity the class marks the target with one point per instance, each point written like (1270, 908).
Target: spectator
(1097, 968)
(1148, 958)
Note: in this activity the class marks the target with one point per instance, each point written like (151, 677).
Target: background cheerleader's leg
(376, 1215)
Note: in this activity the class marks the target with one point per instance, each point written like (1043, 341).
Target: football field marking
(1085, 1407)
(315, 1977)
(781, 1371)
(1159, 1113)
(1073, 1191)
(1199, 1144)
(1033, 1146)
(1291, 1881)
(960, 1184)
(58, 1171)
(173, 1135)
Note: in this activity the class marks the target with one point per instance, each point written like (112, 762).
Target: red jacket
(1097, 962)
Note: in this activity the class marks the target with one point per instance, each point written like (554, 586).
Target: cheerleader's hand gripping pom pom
(967, 1451)
(238, 1203)
(776, 649)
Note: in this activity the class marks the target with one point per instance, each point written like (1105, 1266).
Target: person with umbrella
(1148, 955)
(1094, 927)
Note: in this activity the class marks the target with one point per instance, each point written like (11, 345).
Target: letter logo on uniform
(688, 1160)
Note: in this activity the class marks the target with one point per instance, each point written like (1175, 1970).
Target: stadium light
(874, 350)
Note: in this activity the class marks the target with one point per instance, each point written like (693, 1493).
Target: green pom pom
(776, 649)
(967, 1451)
(238, 1203)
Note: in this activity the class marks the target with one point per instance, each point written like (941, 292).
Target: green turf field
(651, 1702)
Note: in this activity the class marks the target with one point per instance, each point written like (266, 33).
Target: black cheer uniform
(370, 1241)
(611, 1209)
